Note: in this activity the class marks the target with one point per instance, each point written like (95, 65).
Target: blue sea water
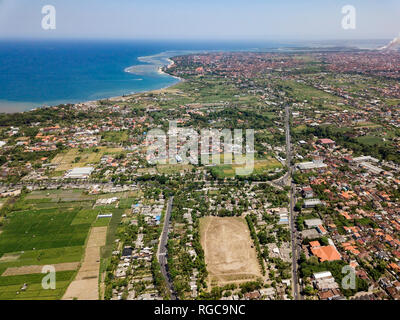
(37, 73)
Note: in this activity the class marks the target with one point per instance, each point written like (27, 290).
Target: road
(162, 250)
(293, 231)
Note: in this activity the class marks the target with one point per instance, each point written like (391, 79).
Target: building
(327, 142)
(364, 159)
(313, 223)
(311, 203)
(283, 216)
(316, 164)
(324, 253)
(79, 173)
(324, 281)
(371, 168)
(307, 192)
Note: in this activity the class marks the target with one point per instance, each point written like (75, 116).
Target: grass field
(260, 166)
(370, 140)
(229, 252)
(173, 168)
(303, 92)
(115, 136)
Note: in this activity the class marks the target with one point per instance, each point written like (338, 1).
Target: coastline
(157, 69)
(160, 71)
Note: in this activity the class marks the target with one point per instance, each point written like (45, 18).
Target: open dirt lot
(228, 250)
(16, 271)
(86, 284)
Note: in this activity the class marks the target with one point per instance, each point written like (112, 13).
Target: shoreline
(158, 71)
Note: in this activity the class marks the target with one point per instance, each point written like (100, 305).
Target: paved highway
(293, 230)
(162, 250)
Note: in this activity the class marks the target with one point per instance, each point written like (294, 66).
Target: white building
(312, 223)
(79, 173)
(316, 164)
(310, 203)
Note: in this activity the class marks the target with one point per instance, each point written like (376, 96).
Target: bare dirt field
(229, 252)
(86, 284)
(7, 257)
(17, 271)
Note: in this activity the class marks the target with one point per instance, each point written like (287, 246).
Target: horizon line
(272, 39)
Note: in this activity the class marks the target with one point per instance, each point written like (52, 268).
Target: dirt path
(86, 284)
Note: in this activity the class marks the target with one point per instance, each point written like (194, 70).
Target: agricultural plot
(10, 286)
(74, 158)
(85, 284)
(229, 252)
(48, 228)
(260, 166)
(58, 196)
(40, 257)
(42, 229)
(115, 136)
(304, 92)
(173, 168)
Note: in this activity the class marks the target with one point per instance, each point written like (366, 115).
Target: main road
(162, 250)
(295, 277)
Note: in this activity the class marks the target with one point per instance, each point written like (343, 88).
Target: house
(333, 294)
(252, 295)
(324, 253)
(307, 192)
(127, 252)
(327, 142)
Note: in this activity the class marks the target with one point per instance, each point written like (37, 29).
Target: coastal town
(318, 218)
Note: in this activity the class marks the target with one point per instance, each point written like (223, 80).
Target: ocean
(39, 73)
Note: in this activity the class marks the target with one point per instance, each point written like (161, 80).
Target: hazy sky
(201, 19)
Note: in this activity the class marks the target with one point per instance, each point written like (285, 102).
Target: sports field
(229, 252)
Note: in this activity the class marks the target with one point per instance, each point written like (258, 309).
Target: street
(293, 231)
(162, 250)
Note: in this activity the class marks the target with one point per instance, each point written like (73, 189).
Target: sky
(200, 19)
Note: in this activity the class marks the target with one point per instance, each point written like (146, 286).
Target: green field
(302, 91)
(173, 168)
(42, 229)
(46, 228)
(10, 287)
(260, 166)
(370, 140)
(115, 136)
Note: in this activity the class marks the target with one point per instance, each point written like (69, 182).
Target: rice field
(49, 228)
